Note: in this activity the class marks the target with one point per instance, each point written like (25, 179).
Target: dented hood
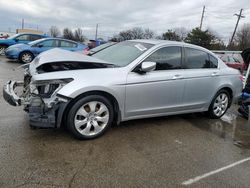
(58, 57)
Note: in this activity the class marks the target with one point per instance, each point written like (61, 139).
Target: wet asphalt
(157, 152)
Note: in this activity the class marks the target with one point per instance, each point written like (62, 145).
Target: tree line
(76, 35)
(205, 38)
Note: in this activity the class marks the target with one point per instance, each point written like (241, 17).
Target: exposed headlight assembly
(46, 88)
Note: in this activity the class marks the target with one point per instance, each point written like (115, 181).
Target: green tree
(201, 38)
(171, 35)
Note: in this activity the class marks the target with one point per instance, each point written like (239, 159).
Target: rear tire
(219, 104)
(90, 117)
(26, 57)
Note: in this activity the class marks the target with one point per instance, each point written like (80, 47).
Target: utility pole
(96, 30)
(22, 23)
(235, 29)
(202, 16)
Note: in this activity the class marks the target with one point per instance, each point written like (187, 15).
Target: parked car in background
(232, 59)
(129, 80)
(99, 48)
(25, 53)
(233, 62)
(23, 38)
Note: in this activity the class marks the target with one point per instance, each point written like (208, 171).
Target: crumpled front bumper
(9, 93)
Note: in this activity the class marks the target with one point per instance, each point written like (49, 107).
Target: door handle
(214, 74)
(177, 76)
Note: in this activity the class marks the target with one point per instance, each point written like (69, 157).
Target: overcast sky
(114, 16)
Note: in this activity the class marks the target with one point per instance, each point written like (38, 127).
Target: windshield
(101, 47)
(123, 53)
(14, 36)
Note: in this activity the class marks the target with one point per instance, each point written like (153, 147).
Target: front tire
(90, 117)
(2, 49)
(219, 104)
(26, 57)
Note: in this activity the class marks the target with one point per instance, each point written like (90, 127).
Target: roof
(156, 42)
(168, 42)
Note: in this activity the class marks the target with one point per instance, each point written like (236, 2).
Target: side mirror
(16, 40)
(148, 66)
(40, 46)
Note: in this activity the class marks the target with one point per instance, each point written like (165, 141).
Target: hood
(22, 46)
(5, 41)
(246, 55)
(61, 60)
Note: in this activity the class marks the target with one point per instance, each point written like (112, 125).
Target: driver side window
(166, 58)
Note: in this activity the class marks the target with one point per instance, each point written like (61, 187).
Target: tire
(86, 121)
(26, 57)
(2, 49)
(219, 104)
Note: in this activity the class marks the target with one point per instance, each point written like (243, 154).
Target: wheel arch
(228, 89)
(62, 116)
(20, 53)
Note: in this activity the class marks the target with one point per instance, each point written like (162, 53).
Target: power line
(237, 23)
(202, 16)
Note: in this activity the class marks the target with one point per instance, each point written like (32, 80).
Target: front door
(159, 91)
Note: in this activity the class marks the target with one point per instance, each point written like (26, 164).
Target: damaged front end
(39, 98)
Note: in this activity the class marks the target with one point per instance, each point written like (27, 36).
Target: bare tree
(54, 31)
(181, 32)
(148, 34)
(134, 33)
(78, 36)
(68, 34)
(242, 37)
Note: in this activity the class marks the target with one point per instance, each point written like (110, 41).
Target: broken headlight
(45, 88)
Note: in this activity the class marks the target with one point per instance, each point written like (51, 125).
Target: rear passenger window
(34, 37)
(68, 44)
(166, 58)
(196, 59)
(213, 62)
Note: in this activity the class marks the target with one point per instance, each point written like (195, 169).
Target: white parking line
(198, 178)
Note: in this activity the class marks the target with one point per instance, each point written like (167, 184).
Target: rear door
(202, 77)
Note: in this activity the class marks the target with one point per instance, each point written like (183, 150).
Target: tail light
(86, 51)
(241, 78)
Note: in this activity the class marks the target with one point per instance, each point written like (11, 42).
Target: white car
(129, 80)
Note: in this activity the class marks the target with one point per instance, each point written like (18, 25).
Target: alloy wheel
(26, 58)
(2, 50)
(91, 118)
(220, 104)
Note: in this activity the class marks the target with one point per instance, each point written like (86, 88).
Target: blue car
(25, 53)
(23, 38)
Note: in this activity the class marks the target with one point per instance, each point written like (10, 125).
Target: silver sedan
(129, 80)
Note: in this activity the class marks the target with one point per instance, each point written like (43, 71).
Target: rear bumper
(9, 94)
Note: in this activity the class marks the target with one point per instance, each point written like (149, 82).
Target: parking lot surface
(176, 151)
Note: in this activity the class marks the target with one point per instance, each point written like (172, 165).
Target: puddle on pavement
(231, 127)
